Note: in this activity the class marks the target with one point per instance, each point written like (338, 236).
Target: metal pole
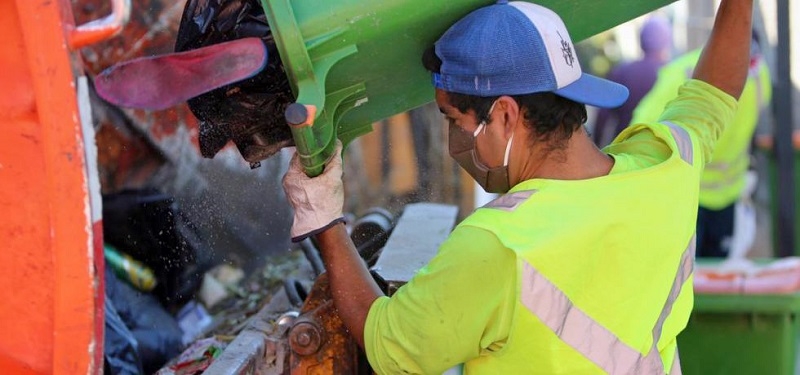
(784, 150)
(700, 19)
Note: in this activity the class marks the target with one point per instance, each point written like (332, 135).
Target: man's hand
(317, 201)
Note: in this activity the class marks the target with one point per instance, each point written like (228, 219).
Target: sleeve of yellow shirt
(454, 309)
(701, 109)
(704, 111)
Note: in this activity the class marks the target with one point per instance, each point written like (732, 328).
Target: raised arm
(726, 56)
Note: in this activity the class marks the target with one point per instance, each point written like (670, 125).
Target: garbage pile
(225, 305)
(178, 275)
(169, 310)
(152, 270)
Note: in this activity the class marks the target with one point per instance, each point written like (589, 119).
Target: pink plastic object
(160, 82)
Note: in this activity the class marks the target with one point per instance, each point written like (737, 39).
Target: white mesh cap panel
(557, 41)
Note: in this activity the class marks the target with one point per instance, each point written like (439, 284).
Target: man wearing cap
(583, 265)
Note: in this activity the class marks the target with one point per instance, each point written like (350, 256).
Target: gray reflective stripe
(684, 270)
(722, 166)
(756, 74)
(588, 337)
(574, 327)
(683, 140)
(676, 364)
(510, 202)
(719, 185)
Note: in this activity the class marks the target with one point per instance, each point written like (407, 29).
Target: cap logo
(566, 51)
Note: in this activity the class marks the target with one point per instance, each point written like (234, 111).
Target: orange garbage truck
(51, 292)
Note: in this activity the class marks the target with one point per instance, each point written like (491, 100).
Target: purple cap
(656, 35)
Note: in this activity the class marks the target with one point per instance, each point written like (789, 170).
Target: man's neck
(580, 159)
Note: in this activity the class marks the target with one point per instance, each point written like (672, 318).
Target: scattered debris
(219, 284)
(193, 320)
(209, 331)
(196, 358)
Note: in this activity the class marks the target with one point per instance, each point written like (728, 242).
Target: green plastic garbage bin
(740, 334)
(354, 62)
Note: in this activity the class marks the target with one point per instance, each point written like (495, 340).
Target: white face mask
(461, 145)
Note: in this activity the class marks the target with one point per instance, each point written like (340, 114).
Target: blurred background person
(655, 40)
(727, 178)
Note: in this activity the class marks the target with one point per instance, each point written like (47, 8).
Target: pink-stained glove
(317, 201)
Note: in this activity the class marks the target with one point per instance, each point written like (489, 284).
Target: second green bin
(741, 335)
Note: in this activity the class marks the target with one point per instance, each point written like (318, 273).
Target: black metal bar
(312, 254)
(784, 150)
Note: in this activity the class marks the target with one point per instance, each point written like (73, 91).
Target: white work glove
(317, 201)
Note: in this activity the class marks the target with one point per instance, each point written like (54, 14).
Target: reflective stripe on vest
(719, 185)
(510, 202)
(676, 364)
(683, 141)
(723, 166)
(588, 337)
(755, 73)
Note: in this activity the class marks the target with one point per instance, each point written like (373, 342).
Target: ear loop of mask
(508, 151)
(482, 126)
(483, 123)
(478, 130)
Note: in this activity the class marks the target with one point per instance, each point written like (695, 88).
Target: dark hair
(552, 118)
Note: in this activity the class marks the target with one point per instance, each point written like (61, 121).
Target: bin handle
(104, 28)
(300, 118)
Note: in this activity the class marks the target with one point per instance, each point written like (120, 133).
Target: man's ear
(510, 110)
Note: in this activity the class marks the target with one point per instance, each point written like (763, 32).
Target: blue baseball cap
(517, 48)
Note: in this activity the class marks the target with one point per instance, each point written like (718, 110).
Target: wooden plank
(403, 162)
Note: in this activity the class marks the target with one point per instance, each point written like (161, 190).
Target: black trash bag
(148, 226)
(156, 333)
(120, 356)
(249, 112)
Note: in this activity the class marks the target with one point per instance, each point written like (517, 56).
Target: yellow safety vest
(607, 289)
(723, 179)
